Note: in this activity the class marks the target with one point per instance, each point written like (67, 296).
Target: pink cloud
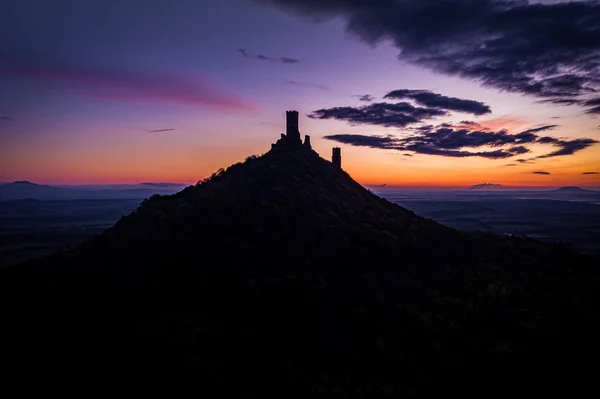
(131, 87)
(510, 124)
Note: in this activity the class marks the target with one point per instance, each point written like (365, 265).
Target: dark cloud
(6, 118)
(545, 50)
(561, 101)
(590, 173)
(364, 97)
(435, 100)
(547, 140)
(446, 140)
(422, 148)
(294, 82)
(283, 60)
(442, 141)
(411, 144)
(592, 102)
(530, 136)
(360, 140)
(568, 147)
(380, 114)
(160, 130)
(511, 164)
(519, 150)
(539, 172)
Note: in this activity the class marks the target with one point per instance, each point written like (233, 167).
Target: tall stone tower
(292, 132)
(336, 157)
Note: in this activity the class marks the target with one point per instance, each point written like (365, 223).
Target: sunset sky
(415, 92)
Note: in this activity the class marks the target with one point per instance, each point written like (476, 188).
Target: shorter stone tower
(307, 142)
(336, 157)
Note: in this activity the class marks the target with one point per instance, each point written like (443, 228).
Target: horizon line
(370, 185)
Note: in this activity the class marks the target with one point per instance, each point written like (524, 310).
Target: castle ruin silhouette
(291, 138)
(336, 157)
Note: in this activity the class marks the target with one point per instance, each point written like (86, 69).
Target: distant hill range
(27, 190)
(161, 184)
(283, 275)
(574, 190)
(484, 186)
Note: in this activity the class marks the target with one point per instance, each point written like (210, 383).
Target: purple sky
(131, 90)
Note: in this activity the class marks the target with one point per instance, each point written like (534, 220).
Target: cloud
(380, 114)
(447, 140)
(590, 173)
(561, 101)
(518, 150)
(568, 147)
(592, 102)
(594, 110)
(364, 97)
(540, 173)
(511, 124)
(432, 143)
(133, 87)
(160, 130)
(294, 82)
(6, 118)
(511, 164)
(550, 51)
(283, 60)
(435, 100)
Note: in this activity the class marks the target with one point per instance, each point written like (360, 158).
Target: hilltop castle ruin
(291, 138)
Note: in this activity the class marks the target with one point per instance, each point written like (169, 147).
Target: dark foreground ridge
(283, 274)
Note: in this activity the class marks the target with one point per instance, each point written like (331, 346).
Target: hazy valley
(38, 220)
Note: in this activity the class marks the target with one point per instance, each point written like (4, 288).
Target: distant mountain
(284, 275)
(26, 189)
(484, 186)
(574, 190)
(161, 184)
(20, 190)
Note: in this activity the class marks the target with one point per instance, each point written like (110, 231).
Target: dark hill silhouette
(26, 189)
(484, 186)
(283, 274)
(161, 184)
(573, 190)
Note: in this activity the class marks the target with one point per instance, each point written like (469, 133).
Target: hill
(573, 190)
(20, 190)
(283, 274)
(25, 189)
(484, 186)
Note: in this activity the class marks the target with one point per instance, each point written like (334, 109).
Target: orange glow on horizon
(159, 158)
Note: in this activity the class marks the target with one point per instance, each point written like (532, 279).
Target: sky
(417, 93)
